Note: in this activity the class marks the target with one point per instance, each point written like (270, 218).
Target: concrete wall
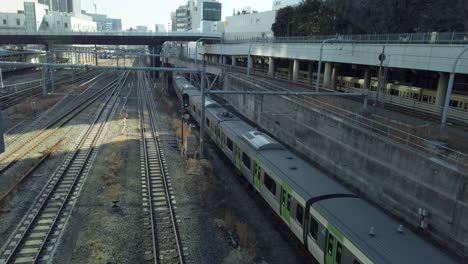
(398, 178)
(435, 57)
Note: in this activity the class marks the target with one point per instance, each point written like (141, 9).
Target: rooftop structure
(278, 4)
(104, 23)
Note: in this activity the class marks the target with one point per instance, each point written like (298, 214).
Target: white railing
(451, 38)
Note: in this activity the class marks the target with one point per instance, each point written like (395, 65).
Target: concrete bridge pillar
(441, 93)
(367, 78)
(234, 61)
(290, 69)
(334, 77)
(310, 73)
(155, 61)
(327, 75)
(295, 76)
(95, 55)
(271, 66)
(250, 60)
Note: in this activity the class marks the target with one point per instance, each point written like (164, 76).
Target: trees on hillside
(313, 17)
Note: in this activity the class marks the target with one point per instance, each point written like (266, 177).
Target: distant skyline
(151, 12)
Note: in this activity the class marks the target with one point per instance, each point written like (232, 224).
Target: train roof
(236, 128)
(306, 180)
(196, 99)
(355, 217)
(221, 114)
(260, 141)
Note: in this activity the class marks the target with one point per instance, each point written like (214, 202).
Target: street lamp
(320, 62)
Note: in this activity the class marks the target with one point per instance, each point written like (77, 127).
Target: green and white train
(334, 224)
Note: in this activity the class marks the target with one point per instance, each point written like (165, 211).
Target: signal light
(185, 100)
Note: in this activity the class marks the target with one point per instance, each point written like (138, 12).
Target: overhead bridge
(101, 38)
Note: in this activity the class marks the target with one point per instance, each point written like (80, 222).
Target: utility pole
(382, 58)
(1, 79)
(202, 117)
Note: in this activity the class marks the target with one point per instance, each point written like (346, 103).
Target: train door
(237, 151)
(334, 250)
(285, 202)
(257, 170)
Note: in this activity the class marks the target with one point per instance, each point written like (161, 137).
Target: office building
(248, 25)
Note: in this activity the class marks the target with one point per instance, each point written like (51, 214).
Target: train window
(230, 144)
(425, 98)
(269, 183)
(246, 160)
(453, 103)
(330, 245)
(313, 227)
(415, 96)
(339, 249)
(357, 85)
(299, 213)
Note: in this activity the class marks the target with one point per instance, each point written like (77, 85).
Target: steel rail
(89, 149)
(79, 108)
(163, 173)
(147, 174)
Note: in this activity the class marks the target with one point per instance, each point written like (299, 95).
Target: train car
(334, 224)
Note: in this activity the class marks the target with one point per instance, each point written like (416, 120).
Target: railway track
(11, 99)
(157, 193)
(36, 235)
(24, 147)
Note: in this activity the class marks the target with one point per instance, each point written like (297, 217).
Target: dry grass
(24, 109)
(114, 162)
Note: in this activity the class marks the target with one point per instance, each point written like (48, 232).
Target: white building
(198, 16)
(278, 4)
(255, 24)
(62, 22)
(159, 28)
(33, 16)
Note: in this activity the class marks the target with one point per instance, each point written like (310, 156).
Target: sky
(151, 12)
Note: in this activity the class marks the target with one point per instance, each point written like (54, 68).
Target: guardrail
(451, 38)
(108, 33)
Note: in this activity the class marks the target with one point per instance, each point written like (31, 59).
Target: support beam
(249, 64)
(334, 77)
(296, 67)
(327, 75)
(290, 69)
(78, 66)
(234, 61)
(441, 89)
(310, 72)
(367, 78)
(271, 66)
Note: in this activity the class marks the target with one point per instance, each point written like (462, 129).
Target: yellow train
(458, 101)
